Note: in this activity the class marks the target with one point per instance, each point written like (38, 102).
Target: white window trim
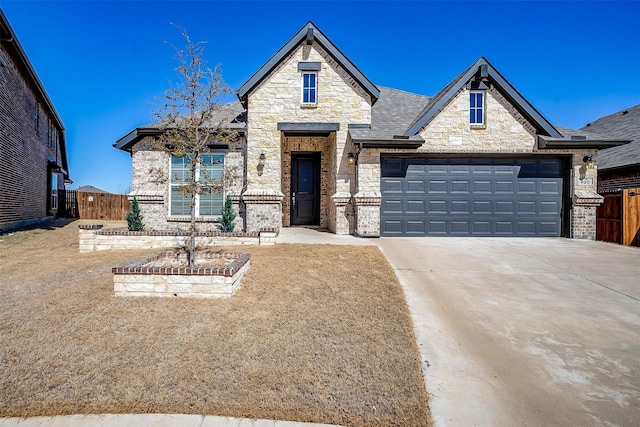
(308, 104)
(172, 217)
(484, 107)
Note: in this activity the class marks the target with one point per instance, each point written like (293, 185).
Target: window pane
(472, 100)
(180, 170)
(312, 96)
(312, 80)
(305, 95)
(180, 202)
(479, 100)
(479, 116)
(472, 116)
(210, 202)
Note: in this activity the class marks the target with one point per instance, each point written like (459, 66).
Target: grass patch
(316, 333)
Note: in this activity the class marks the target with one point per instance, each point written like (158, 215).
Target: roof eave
(388, 143)
(126, 142)
(599, 144)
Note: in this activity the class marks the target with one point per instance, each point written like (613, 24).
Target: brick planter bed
(95, 238)
(139, 278)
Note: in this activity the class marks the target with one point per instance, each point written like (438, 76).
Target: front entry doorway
(305, 188)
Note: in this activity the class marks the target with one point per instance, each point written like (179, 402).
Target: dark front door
(305, 188)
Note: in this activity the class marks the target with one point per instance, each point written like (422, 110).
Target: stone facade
(32, 140)
(279, 125)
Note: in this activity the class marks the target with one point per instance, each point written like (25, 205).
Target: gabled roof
(309, 34)
(624, 124)
(9, 39)
(483, 68)
(233, 113)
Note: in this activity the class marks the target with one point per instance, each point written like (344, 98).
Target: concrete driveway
(525, 332)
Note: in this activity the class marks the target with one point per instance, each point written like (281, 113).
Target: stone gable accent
(505, 130)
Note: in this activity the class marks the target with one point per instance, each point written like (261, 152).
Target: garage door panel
(392, 185)
(474, 197)
(415, 206)
(415, 186)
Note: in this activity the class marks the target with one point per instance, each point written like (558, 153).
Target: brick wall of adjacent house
(150, 185)
(28, 141)
(614, 181)
(278, 99)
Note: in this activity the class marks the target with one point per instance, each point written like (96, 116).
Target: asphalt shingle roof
(392, 114)
(624, 124)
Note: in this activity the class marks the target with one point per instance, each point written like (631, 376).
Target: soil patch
(316, 333)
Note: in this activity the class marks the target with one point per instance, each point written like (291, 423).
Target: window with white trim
(476, 108)
(210, 174)
(309, 87)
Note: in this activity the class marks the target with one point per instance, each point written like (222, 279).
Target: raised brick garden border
(93, 237)
(136, 278)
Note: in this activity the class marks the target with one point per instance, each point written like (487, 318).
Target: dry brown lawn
(316, 333)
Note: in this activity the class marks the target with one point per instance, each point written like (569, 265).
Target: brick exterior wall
(613, 182)
(30, 139)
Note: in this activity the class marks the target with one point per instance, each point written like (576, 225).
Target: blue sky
(104, 64)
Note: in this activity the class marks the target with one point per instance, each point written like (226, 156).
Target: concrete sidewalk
(147, 420)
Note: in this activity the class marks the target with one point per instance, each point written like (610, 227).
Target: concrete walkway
(314, 235)
(524, 332)
(147, 420)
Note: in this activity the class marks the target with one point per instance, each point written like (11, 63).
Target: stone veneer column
(367, 206)
(583, 215)
(343, 214)
(263, 209)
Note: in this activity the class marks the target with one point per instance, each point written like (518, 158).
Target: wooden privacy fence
(96, 205)
(618, 218)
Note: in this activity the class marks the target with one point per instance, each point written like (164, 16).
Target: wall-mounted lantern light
(351, 159)
(90, 198)
(589, 161)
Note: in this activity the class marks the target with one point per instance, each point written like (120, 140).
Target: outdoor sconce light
(90, 198)
(351, 159)
(260, 167)
(589, 161)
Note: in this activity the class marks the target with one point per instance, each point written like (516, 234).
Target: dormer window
(309, 87)
(476, 108)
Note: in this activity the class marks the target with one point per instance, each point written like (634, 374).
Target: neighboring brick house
(619, 177)
(324, 146)
(33, 158)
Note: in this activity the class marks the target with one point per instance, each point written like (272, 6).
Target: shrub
(226, 223)
(134, 218)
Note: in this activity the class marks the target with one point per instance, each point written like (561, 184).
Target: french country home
(322, 145)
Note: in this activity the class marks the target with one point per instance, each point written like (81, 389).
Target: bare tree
(192, 120)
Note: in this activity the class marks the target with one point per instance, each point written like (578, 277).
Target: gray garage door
(471, 197)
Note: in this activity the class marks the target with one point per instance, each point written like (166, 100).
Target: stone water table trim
(136, 278)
